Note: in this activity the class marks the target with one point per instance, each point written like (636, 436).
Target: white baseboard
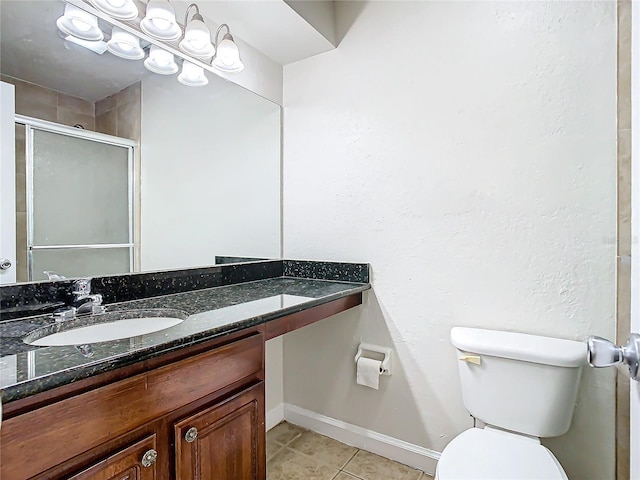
(274, 416)
(404, 452)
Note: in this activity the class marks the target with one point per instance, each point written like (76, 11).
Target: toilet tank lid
(520, 346)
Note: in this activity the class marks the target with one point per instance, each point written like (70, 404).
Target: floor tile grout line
(316, 460)
(297, 436)
(284, 444)
(349, 474)
(350, 458)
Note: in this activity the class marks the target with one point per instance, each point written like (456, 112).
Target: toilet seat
(492, 454)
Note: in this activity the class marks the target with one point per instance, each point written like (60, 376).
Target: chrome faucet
(85, 350)
(51, 275)
(83, 302)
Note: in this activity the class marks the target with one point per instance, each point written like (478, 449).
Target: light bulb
(121, 9)
(78, 23)
(160, 21)
(125, 45)
(192, 75)
(228, 56)
(81, 25)
(160, 61)
(197, 39)
(228, 52)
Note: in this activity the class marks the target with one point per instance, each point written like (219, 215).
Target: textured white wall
(212, 185)
(467, 150)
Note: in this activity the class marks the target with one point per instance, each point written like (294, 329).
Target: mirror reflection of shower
(78, 218)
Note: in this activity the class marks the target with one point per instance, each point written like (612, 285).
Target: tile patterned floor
(294, 453)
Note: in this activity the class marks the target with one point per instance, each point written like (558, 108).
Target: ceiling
(271, 26)
(31, 47)
(32, 50)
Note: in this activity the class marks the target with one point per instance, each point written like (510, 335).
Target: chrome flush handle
(603, 353)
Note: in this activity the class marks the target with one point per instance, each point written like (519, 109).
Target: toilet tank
(523, 383)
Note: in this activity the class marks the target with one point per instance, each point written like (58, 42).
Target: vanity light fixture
(197, 37)
(120, 9)
(80, 24)
(159, 27)
(160, 61)
(192, 75)
(125, 45)
(227, 57)
(160, 21)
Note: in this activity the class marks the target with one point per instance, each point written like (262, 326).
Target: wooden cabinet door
(224, 442)
(136, 462)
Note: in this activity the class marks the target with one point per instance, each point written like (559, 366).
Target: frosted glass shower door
(80, 211)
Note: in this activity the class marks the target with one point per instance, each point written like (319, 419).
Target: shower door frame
(31, 124)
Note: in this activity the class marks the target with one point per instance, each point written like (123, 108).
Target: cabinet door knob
(149, 458)
(191, 434)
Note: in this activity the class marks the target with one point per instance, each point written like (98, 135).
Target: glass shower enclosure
(80, 194)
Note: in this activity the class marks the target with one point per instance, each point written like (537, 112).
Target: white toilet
(522, 387)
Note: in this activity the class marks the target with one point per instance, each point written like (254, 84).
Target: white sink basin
(105, 327)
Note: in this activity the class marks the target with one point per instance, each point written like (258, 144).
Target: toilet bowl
(492, 454)
(522, 387)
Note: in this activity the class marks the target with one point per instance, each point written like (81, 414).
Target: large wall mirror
(119, 169)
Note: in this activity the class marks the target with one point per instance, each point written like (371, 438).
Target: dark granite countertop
(26, 370)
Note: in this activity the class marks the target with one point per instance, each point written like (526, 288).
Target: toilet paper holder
(385, 366)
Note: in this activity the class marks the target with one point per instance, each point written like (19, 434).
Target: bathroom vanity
(186, 402)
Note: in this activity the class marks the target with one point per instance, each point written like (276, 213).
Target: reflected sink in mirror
(105, 327)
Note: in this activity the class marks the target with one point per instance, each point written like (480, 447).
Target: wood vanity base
(197, 413)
